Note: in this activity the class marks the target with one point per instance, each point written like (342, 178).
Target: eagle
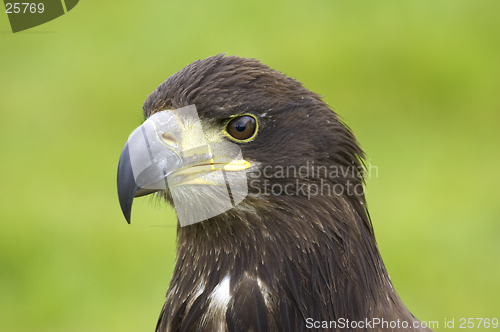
(294, 249)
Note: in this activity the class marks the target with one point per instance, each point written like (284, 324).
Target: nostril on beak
(169, 139)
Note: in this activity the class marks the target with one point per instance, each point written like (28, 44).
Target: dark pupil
(241, 126)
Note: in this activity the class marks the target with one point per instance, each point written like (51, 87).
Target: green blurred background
(417, 81)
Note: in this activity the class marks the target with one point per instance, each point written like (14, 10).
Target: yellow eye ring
(242, 128)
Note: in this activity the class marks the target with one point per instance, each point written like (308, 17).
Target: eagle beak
(127, 188)
(171, 150)
(149, 156)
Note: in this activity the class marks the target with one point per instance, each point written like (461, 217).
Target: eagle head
(267, 183)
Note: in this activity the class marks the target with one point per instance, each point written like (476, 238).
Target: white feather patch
(220, 296)
(217, 307)
(264, 290)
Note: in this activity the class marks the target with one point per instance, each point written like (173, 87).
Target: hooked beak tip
(127, 187)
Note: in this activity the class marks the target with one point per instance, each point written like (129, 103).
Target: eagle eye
(242, 128)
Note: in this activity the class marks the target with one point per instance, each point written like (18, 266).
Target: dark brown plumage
(286, 258)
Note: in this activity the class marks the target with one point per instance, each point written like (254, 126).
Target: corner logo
(26, 15)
